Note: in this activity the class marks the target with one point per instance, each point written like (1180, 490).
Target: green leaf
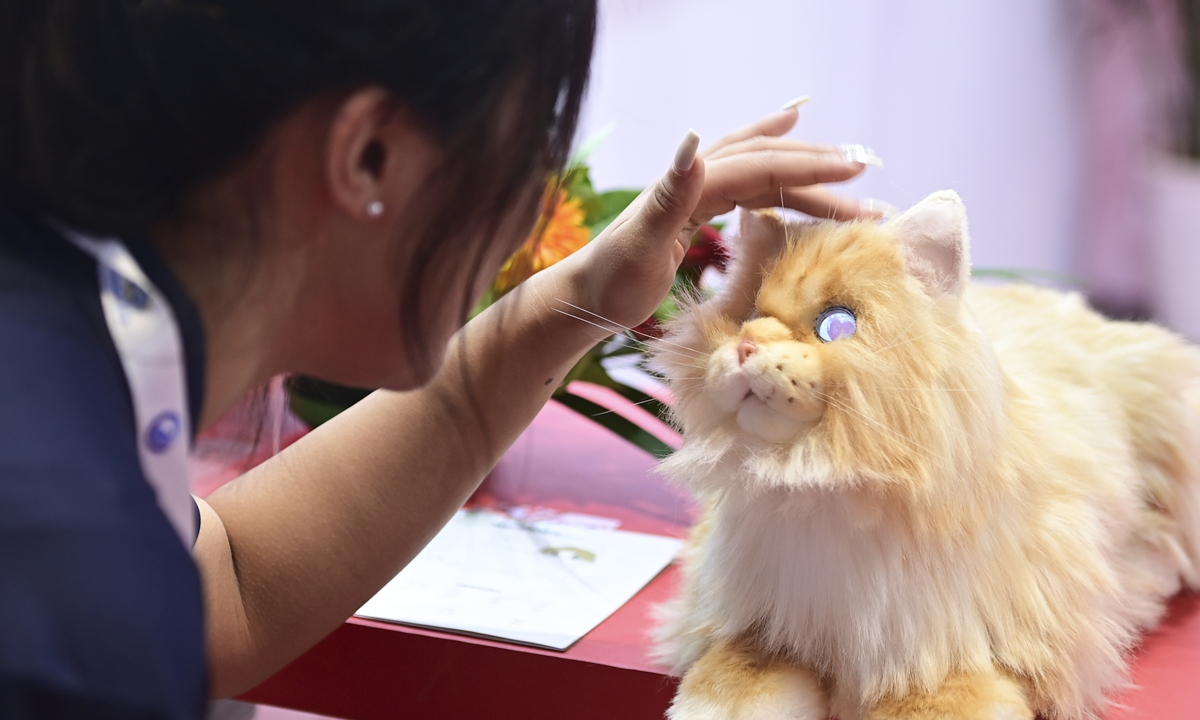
(609, 205)
(1033, 277)
(667, 310)
(578, 184)
(588, 369)
(684, 287)
(649, 403)
(614, 202)
(617, 424)
(488, 299)
(312, 411)
(630, 349)
(584, 152)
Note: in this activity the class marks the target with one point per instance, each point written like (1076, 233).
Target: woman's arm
(291, 549)
(298, 544)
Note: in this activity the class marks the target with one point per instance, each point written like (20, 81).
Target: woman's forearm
(298, 544)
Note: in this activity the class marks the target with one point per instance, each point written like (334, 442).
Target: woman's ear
(375, 155)
(937, 246)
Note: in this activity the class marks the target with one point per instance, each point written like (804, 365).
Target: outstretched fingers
(820, 202)
(773, 125)
(755, 179)
(761, 143)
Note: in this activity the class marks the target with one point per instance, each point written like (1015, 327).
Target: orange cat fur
(969, 508)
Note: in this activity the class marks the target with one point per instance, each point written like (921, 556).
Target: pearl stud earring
(375, 209)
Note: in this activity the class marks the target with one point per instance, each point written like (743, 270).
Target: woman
(200, 194)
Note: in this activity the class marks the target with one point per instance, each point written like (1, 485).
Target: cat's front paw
(787, 693)
(732, 690)
(981, 696)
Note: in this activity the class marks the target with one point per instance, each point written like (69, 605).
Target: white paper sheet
(545, 582)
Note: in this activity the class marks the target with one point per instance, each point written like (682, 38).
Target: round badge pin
(163, 430)
(125, 290)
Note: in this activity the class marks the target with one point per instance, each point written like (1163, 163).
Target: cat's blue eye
(836, 323)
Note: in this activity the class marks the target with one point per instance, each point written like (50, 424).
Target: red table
(369, 669)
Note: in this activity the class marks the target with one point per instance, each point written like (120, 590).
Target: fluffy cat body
(970, 508)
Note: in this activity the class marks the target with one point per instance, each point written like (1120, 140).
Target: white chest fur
(837, 585)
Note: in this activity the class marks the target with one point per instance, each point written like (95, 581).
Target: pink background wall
(981, 97)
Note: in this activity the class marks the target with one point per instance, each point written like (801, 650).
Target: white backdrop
(978, 96)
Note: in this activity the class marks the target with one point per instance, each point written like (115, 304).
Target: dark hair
(111, 111)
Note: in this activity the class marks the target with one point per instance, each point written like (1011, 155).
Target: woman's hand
(628, 269)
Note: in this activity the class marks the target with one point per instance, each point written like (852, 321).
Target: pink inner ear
(934, 233)
(937, 267)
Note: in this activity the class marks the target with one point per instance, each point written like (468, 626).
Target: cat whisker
(921, 410)
(874, 423)
(658, 351)
(947, 389)
(787, 236)
(670, 375)
(901, 334)
(631, 330)
(880, 426)
(585, 320)
(682, 364)
(906, 340)
(600, 317)
(665, 351)
(639, 402)
(683, 361)
(681, 357)
(615, 329)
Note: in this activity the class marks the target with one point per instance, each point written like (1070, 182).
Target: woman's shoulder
(48, 292)
(61, 383)
(92, 568)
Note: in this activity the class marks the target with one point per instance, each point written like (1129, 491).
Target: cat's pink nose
(745, 349)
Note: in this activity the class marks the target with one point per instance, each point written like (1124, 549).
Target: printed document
(544, 582)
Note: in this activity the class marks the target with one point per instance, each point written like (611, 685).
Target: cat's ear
(762, 236)
(937, 247)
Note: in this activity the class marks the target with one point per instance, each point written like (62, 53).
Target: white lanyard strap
(147, 338)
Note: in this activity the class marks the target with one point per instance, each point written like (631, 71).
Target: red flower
(648, 330)
(708, 248)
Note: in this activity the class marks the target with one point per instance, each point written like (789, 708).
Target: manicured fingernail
(685, 156)
(860, 154)
(883, 209)
(794, 103)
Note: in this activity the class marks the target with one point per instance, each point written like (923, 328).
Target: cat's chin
(758, 419)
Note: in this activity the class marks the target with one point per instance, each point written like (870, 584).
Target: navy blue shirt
(101, 614)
